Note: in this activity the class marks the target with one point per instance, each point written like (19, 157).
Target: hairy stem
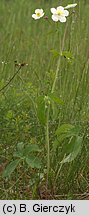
(48, 108)
(59, 60)
(47, 143)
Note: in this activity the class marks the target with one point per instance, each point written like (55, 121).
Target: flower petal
(39, 11)
(55, 18)
(42, 15)
(62, 19)
(66, 12)
(53, 10)
(60, 8)
(35, 17)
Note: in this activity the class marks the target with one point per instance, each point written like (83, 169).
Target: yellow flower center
(59, 12)
(38, 14)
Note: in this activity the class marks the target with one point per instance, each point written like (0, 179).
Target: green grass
(24, 40)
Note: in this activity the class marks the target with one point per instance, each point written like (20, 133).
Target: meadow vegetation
(31, 114)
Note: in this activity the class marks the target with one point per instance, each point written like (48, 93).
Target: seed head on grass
(59, 14)
(38, 14)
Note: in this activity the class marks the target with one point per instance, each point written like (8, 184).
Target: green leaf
(41, 109)
(67, 130)
(9, 114)
(55, 111)
(67, 54)
(18, 155)
(20, 150)
(33, 162)
(20, 146)
(55, 53)
(76, 148)
(31, 148)
(56, 99)
(55, 144)
(55, 102)
(10, 168)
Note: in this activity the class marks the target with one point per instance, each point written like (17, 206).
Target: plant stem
(47, 143)
(59, 60)
(48, 108)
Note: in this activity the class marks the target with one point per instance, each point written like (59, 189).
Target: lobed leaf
(76, 148)
(33, 162)
(20, 146)
(31, 148)
(67, 130)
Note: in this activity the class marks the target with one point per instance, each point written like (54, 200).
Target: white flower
(59, 14)
(38, 14)
(70, 6)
